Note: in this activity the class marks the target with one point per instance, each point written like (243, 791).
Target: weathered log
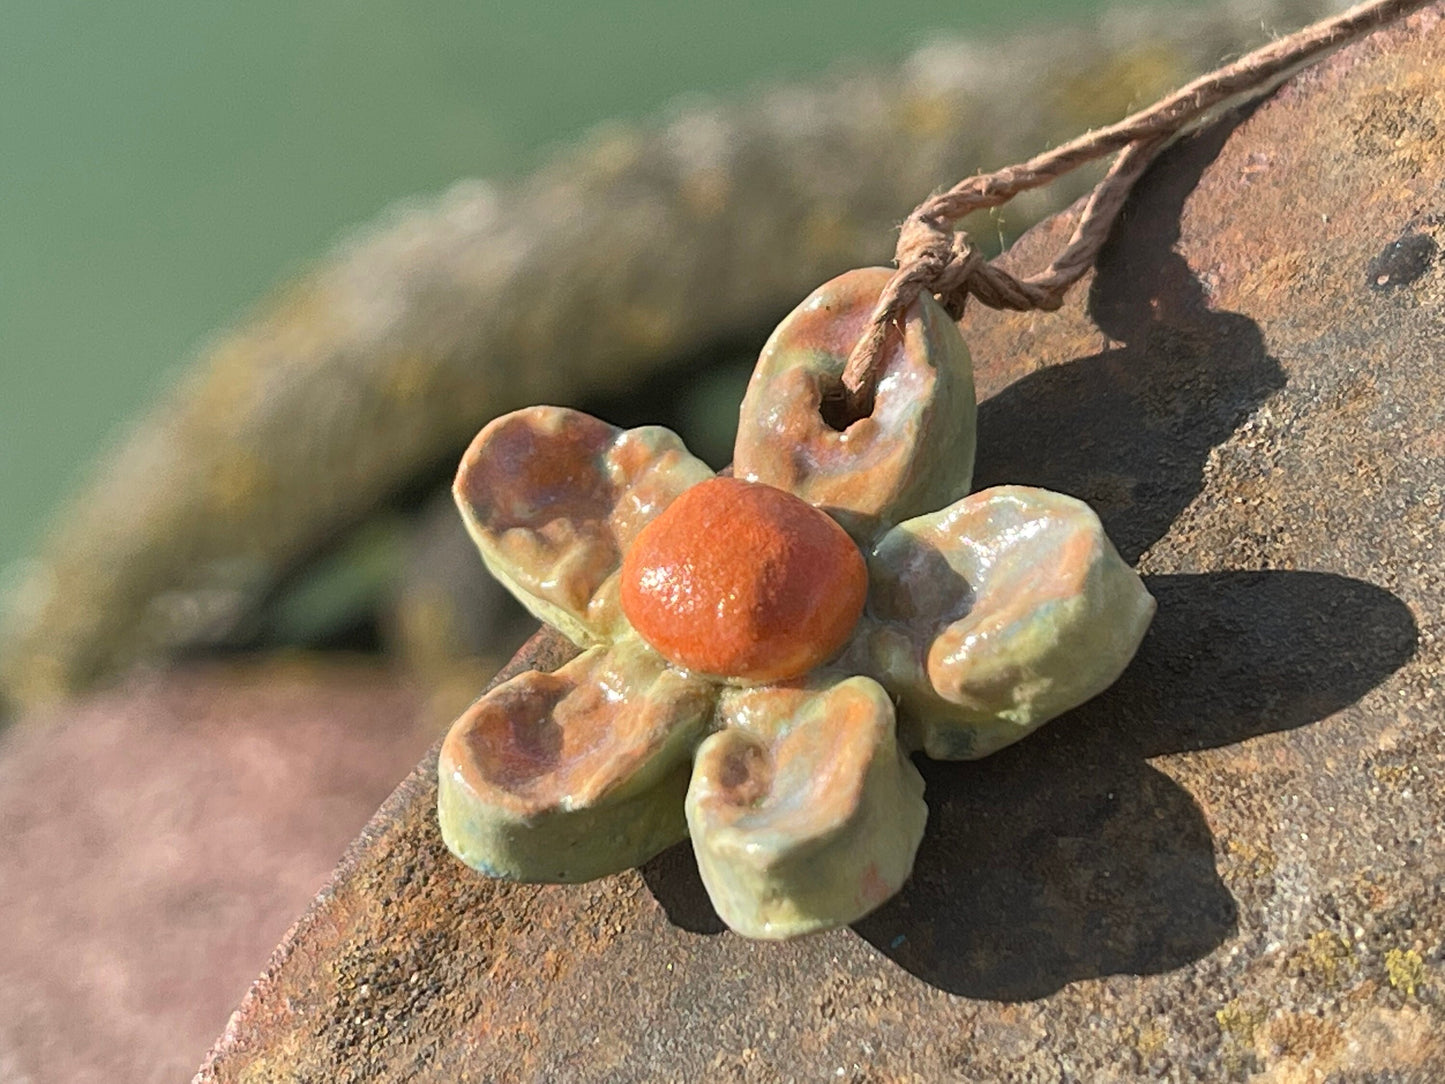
(642, 248)
(1227, 866)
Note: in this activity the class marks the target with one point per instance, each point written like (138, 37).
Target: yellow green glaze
(572, 775)
(981, 621)
(805, 812)
(999, 613)
(912, 454)
(552, 497)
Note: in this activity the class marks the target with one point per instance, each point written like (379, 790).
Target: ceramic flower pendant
(763, 652)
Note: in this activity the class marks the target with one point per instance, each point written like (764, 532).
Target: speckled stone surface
(1227, 867)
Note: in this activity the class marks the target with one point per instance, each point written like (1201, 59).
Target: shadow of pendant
(1068, 856)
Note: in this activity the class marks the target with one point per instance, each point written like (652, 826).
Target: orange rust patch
(739, 579)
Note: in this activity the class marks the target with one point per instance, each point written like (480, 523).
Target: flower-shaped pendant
(762, 652)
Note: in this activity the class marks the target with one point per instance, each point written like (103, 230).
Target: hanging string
(932, 256)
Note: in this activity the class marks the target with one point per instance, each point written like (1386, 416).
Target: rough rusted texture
(1229, 865)
(156, 840)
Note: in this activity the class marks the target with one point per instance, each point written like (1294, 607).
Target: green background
(164, 164)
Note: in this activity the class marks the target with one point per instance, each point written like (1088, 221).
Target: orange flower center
(741, 580)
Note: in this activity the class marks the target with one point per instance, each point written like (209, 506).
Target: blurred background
(167, 165)
(238, 606)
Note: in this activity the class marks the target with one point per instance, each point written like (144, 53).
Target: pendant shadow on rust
(1068, 856)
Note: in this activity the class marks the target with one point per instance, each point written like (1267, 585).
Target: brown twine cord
(932, 257)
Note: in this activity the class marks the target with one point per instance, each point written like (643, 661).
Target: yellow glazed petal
(804, 812)
(553, 498)
(914, 453)
(997, 614)
(575, 774)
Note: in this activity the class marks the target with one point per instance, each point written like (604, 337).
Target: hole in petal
(906, 450)
(837, 409)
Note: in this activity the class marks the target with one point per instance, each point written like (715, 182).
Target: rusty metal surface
(1227, 867)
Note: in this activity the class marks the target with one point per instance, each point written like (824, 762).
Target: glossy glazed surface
(574, 774)
(553, 497)
(911, 454)
(999, 613)
(716, 600)
(743, 581)
(804, 811)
